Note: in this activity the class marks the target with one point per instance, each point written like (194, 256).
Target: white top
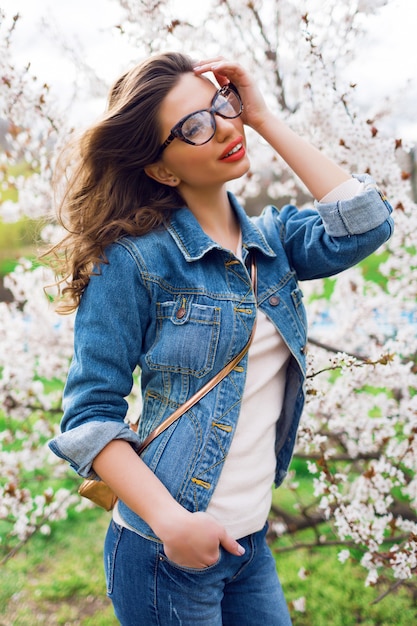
(243, 494)
(242, 498)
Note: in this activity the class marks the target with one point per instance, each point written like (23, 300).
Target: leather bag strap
(210, 384)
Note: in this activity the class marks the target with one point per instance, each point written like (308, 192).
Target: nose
(224, 126)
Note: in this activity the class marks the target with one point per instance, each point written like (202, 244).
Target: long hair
(107, 193)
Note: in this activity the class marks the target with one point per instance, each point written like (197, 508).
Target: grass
(17, 239)
(59, 580)
(335, 594)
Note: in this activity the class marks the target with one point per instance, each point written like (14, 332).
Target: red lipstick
(234, 151)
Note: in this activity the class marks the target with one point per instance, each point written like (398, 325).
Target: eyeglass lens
(199, 127)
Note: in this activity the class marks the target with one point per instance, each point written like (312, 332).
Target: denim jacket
(180, 306)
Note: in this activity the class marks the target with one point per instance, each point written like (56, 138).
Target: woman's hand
(254, 108)
(194, 540)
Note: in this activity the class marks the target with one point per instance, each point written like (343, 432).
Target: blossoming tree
(358, 437)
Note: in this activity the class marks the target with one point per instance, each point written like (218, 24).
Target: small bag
(97, 490)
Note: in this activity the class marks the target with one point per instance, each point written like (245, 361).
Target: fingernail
(197, 67)
(240, 549)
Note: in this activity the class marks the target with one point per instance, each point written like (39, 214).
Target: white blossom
(343, 556)
(299, 604)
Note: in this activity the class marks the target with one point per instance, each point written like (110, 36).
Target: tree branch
(328, 348)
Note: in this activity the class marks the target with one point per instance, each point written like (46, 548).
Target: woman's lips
(234, 151)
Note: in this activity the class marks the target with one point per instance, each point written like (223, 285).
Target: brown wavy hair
(107, 194)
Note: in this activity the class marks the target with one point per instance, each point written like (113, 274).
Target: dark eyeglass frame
(176, 131)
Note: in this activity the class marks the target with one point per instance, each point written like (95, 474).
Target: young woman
(157, 261)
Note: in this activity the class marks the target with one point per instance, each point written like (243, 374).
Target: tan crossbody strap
(209, 385)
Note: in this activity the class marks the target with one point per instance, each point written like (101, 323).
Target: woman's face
(210, 164)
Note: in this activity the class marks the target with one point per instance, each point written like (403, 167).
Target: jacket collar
(194, 243)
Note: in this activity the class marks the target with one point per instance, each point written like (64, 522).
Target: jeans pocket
(190, 570)
(111, 544)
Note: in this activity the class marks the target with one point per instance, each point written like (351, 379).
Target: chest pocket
(186, 337)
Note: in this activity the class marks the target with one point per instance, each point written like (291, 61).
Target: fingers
(197, 543)
(223, 70)
(205, 65)
(231, 545)
(212, 66)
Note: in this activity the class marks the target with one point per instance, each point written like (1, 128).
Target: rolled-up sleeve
(355, 216)
(81, 445)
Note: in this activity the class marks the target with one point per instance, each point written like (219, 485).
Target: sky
(386, 68)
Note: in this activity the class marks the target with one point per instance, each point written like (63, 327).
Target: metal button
(273, 300)
(180, 313)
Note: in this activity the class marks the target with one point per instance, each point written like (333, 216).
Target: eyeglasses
(199, 127)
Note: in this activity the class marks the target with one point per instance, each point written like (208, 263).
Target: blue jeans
(149, 590)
